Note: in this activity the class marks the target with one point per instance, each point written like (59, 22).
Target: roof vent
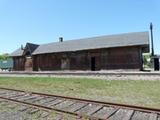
(60, 39)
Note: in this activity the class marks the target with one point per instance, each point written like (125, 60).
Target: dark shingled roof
(110, 41)
(32, 47)
(19, 52)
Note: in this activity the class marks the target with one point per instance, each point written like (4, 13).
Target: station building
(121, 51)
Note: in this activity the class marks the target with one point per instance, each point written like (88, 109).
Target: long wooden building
(122, 51)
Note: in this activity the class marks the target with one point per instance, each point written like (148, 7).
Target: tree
(146, 59)
(4, 56)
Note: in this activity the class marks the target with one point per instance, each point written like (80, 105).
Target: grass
(143, 93)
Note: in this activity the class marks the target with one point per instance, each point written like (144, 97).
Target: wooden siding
(114, 58)
(18, 63)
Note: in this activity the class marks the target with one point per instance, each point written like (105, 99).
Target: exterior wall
(18, 63)
(46, 62)
(113, 58)
(121, 58)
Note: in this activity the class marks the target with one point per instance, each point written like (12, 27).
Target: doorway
(93, 63)
(28, 64)
(65, 64)
(156, 64)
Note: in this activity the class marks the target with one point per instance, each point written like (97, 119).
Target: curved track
(80, 107)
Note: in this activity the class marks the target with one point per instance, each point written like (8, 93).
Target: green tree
(146, 59)
(4, 56)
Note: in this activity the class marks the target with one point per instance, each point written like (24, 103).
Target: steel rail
(132, 107)
(83, 73)
(48, 108)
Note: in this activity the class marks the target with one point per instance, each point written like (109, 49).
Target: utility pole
(152, 46)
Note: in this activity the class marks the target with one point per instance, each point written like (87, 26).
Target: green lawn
(143, 93)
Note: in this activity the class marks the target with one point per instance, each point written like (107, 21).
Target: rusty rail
(139, 108)
(109, 104)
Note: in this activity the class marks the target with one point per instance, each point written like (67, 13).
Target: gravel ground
(103, 77)
(102, 74)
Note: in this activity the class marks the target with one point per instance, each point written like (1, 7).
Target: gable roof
(20, 52)
(110, 41)
(32, 46)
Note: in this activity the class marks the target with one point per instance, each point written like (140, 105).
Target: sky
(44, 21)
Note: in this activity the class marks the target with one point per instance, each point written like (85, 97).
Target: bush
(4, 56)
(146, 60)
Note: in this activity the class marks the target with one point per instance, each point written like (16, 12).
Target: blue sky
(44, 21)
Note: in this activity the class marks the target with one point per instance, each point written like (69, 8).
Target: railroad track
(83, 73)
(80, 108)
(10, 110)
(14, 111)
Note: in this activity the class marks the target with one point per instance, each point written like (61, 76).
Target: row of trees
(4, 56)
